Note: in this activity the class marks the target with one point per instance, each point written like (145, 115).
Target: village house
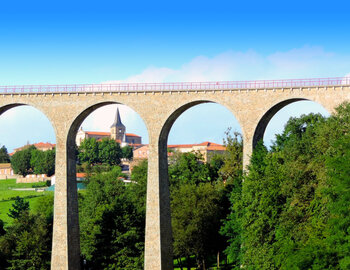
(206, 149)
(6, 171)
(40, 146)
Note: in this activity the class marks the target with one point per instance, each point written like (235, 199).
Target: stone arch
(267, 116)
(73, 129)
(70, 143)
(9, 106)
(166, 227)
(170, 120)
(46, 114)
(174, 115)
(6, 107)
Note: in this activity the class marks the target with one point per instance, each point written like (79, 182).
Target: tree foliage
(43, 162)
(31, 160)
(18, 208)
(199, 201)
(27, 242)
(109, 152)
(112, 228)
(88, 151)
(293, 208)
(106, 151)
(127, 152)
(232, 167)
(188, 168)
(20, 161)
(196, 219)
(4, 156)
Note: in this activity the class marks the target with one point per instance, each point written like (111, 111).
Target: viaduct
(253, 103)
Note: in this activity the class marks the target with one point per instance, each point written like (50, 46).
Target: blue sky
(64, 42)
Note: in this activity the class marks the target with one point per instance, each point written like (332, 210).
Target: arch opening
(190, 148)
(273, 121)
(27, 142)
(114, 198)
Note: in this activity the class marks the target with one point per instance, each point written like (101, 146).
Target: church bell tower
(117, 128)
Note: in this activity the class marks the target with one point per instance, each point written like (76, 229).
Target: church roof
(131, 135)
(97, 133)
(117, 121)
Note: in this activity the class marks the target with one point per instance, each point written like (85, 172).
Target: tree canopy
(292, 211)
(112, 227)
(106, 151)
(4, 156)
(20, 161)
(31, 160)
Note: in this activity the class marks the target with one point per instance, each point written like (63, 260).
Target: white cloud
(305, 62)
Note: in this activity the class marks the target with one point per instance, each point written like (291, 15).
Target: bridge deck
(175, 86)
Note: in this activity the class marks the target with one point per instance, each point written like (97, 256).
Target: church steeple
(117, 121)
(117, 128)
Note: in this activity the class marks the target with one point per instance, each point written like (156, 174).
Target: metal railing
(174, 86)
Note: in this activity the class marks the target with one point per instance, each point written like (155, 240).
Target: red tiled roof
(37, 145)
(181, 145)
(98, 133)
(44, 145)
(131, 135)
(136, 144)
(216, 148)
(81, 175)
(208, 144)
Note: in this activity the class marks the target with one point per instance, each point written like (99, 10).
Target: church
(117, 132)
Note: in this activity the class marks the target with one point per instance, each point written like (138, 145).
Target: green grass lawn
(7, 195)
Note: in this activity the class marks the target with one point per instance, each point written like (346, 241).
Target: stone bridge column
(247, 151)
(248, 143)
(158, 243)
(65, 241)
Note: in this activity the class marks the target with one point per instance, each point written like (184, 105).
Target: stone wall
(35, 179)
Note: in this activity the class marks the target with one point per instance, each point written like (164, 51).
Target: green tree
(19, 207)
(88, 151)
(198, 204)
(109, 152)
(188, 168)
(44, 206)
(127, 152)
(20, 161)
(2, 229)
(27, 244)
(4, 156)
(232, 167)
(139, 187)
(112, 229)
(43, 162)
(196, 220)
(292, 210)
